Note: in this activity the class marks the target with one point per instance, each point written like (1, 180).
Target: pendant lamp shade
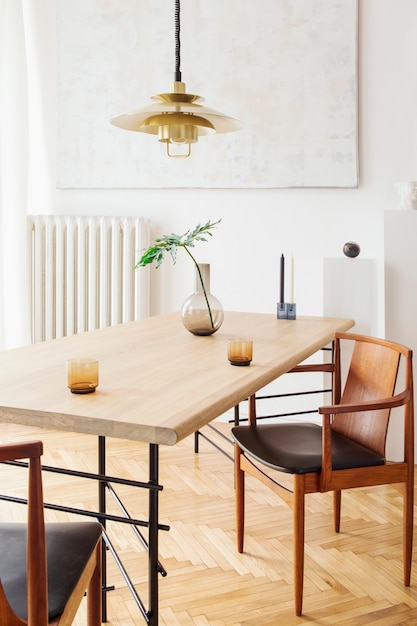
(177, 118)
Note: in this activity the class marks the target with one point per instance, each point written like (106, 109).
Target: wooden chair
(347, 451)
(46, 568)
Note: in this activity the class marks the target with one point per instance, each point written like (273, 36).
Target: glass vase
(202, 313)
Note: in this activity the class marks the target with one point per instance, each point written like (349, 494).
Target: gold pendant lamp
(176, 117)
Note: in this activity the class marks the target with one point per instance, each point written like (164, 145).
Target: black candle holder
(286, 310)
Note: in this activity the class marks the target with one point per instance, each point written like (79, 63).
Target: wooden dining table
(158, 384)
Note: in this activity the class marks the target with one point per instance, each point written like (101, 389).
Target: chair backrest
(372, 376)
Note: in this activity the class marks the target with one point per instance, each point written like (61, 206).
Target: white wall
(257, 225)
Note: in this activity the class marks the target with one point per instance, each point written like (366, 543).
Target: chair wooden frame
(398, 474)
(37, 577)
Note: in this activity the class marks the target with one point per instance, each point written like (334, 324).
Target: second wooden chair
(347, 451)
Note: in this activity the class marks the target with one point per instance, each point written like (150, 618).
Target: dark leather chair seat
(297, 448)
(68, 546)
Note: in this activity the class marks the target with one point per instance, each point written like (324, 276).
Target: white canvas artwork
(286, 68)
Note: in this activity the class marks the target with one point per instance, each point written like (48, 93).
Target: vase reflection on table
(202, 313)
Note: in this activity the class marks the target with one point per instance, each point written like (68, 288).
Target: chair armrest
(373, 405)
(27, 450)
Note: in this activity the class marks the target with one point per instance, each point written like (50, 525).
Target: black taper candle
(281, 287)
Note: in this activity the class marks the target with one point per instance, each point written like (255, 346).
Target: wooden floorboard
(351, 578)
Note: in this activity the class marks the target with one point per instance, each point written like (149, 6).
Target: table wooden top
(158, 383)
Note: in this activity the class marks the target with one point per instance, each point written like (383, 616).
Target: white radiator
(81, 273)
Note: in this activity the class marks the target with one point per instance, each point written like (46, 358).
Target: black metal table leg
(102, 509)
(237, 415)
(153, 534)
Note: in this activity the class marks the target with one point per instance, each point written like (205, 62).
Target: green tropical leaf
(170, 243)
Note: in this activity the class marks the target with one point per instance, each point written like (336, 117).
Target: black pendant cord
(177, 42)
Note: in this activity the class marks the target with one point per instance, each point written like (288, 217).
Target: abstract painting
(286, 68)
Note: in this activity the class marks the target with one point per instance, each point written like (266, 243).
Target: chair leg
(240, 499)
(299, 523)
(408, 506)
(337, 502)
(94, 593)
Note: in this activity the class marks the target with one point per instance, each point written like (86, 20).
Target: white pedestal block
(400, 298)
(348, 291)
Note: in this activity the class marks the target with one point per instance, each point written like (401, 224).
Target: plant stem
(202, 284)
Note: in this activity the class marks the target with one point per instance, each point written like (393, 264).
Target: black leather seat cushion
(69, 546)
(296, 448)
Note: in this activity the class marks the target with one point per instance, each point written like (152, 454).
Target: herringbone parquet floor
(351, 579)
